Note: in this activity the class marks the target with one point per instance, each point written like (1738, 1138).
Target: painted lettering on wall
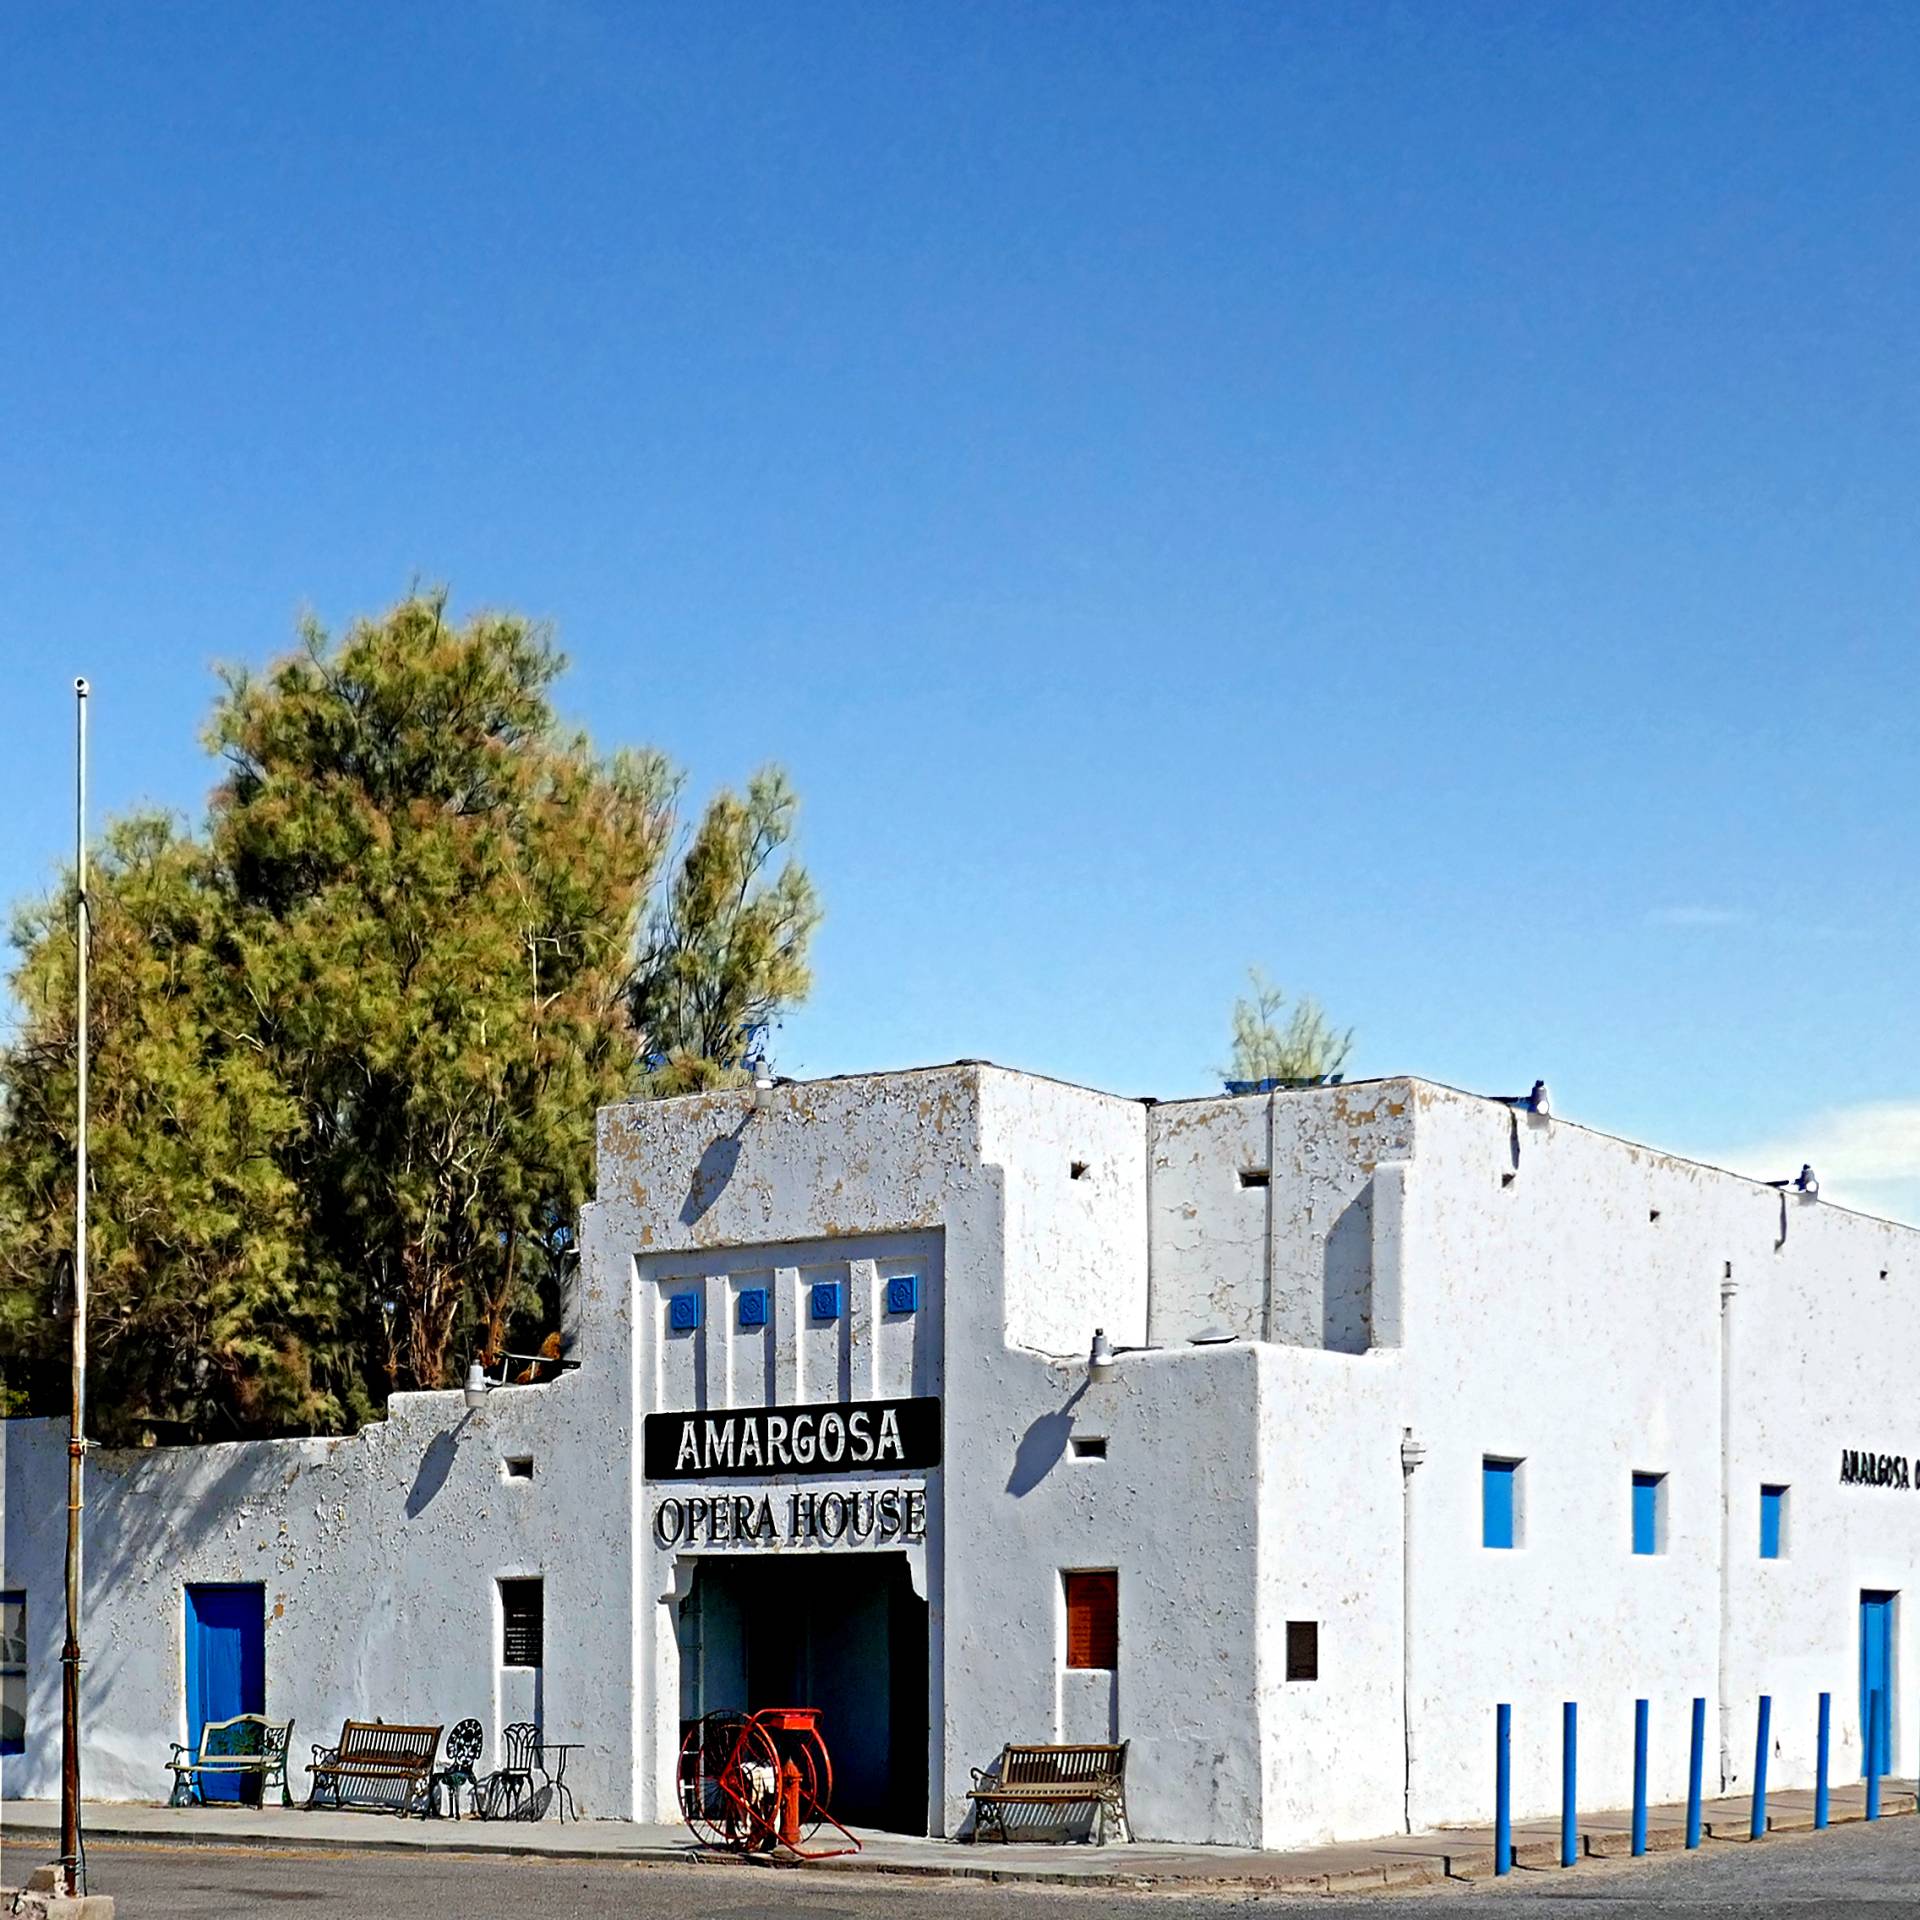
(886, 1515)
(855, 1436)
(1873, 1469)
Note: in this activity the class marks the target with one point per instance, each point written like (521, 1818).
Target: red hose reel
(759, 1783)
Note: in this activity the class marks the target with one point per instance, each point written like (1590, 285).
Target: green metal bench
(248, 1744)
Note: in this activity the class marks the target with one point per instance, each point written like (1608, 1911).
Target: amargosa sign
(850, 1436)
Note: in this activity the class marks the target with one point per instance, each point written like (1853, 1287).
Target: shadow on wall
(710, 1177)
(435, 1464)
(1042, 1445)
(1346, 1297)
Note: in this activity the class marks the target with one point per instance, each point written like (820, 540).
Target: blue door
(1876, 1674)
(226, 1668)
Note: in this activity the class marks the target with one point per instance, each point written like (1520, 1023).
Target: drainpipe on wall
(1728, 1288)
(1411, 1455)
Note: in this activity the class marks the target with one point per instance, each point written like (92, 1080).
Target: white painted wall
(379, 1555)
(1419, 1261)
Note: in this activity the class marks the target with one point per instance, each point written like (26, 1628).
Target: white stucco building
(1422, 1403)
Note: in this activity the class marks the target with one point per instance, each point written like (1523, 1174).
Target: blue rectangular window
(1498, 1480)
(1649, 1493)
(13, 1672)
(1773, 1522)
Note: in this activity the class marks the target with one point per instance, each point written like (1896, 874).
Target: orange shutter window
(1093, 1620)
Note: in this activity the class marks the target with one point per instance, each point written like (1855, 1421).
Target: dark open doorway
(844, 1633)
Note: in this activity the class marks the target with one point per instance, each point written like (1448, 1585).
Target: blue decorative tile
(826, 1299)
(903, 1293)
(753, 1306)
(683, 1312)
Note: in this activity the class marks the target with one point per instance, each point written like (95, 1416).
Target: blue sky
(1418, 497)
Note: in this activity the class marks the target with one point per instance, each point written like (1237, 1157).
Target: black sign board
(852, 1436)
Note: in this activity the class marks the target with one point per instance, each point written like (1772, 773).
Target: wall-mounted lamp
(478, 1386)
(1539, 1102)
(1806, 1183)
(762, 1089)
(1100, 1359)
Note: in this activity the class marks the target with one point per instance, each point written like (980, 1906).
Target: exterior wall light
(1806, 1183)
(762, 1090)
(478, 1386)
(1100, 1359)
(1539, 1102)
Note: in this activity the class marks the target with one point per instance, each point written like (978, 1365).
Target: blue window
(13, 1672)
(683, 1312)
(1499, 1487)
(903, 1293)
(753, 1306)
(826, 1299)
(1649, 1502)
(1773, 1522)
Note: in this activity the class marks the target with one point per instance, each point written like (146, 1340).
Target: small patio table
(557, 1774)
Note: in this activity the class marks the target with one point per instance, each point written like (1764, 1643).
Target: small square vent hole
(1088, 1446)
(1077, 1169)
(1255, 1176)
(518, 1466)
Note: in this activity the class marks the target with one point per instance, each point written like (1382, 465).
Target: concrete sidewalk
(1407, 1860)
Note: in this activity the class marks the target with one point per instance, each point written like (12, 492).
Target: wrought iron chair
(508, 1789)
(463, 1749)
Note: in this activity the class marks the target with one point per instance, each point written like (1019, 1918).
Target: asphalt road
(1852, 1872)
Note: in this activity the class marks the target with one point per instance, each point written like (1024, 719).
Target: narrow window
(13, 1673)
(1649, 1512)
(1773, 1523)
(1093, 1619)
(1087, 1446)
(1499, 1502)
(1303, 1649)
(519, 1466)
(522, 1623)
(1255, 1176)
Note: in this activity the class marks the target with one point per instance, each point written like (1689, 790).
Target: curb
(1412, 1873)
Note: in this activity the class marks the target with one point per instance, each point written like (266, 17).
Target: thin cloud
(1699, 916)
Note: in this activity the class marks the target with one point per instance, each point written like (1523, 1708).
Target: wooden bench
(1039, 1778)
(249, 1743)
(375, 1753)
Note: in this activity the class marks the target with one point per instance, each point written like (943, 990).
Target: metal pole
(1503, 1789)
(1639, 1778)
(1569, 1771)
(1762, 1739)
(1873, 1754)
(1820, 1771)
(1693, 1771)
(76, 1436)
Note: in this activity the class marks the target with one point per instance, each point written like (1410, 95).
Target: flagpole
(76, 1438)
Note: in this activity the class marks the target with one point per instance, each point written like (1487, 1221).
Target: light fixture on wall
(478, 1385)
(1539, 1102)
(1806, 1183)
(1100, 1359)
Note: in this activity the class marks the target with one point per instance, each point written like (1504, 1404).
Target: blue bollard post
(1693, 1772)
(1820, 1767)
(1873, 1754)
(1762, 1740)
(1639, 1778)
(1503, 1789)
(1569, 1772)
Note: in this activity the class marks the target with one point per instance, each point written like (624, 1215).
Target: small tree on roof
(1304, 1046)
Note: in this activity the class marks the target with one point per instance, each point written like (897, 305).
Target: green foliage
(194, 1221)
(349, 1044)
(1305, 1047)
(727, 947)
